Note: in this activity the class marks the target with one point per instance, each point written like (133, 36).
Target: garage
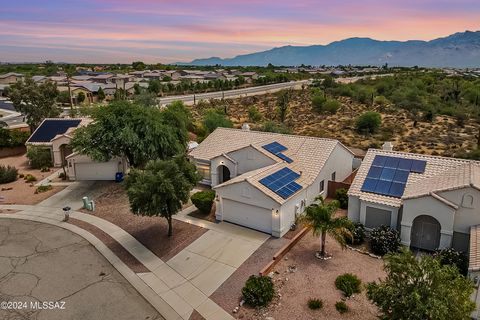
(376, 217)
(247, 215)
(96, 170)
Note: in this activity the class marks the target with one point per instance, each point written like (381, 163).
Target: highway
(251, 91)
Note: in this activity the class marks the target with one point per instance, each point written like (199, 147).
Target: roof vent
(387, 146)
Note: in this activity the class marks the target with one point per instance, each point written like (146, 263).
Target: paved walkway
(183, 283)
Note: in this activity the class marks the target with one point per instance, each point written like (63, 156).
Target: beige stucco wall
(249, 159)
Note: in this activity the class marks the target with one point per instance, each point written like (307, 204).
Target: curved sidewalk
(171, 293)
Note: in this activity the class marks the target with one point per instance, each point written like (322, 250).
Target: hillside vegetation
(424, 112)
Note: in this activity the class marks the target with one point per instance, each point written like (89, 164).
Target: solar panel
(284, 157)
(51, 128)
(276, 149)
(389, 175)
(282, 182)
(396, 189)
(418, 166)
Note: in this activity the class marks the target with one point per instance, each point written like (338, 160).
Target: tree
(320, 216)
(36, 102)
(154, 86)
(101, 94)
(146, 99)
(369, 122)
(81, 97)
(214, 119)
(138, 65)
(127, 129)
(161, 188)
(283, 100)
(421, 288)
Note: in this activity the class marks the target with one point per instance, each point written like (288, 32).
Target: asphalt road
(43, 263)
(189, 98)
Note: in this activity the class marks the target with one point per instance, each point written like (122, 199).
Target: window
(467, 201)
(334, 175)
(204, 172)
(322, 186)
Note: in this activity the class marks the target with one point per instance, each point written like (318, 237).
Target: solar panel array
(276, 149)
(388, 176)
(282, 182)
(51, 128)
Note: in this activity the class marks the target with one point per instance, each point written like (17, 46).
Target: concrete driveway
(44, 263)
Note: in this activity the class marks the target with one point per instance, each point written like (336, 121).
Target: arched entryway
(223, 174)
(425, 233)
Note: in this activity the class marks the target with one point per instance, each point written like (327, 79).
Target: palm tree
(320, 216)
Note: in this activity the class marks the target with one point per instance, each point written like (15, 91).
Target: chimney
(387, 146)
(245, 127)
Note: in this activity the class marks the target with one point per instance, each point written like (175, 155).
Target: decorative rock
(269, 318)
(242, 302)
(235, 310)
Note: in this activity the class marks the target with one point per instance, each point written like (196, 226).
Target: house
(265, 180)
(10, 78)
(433, 201)
(55, 134)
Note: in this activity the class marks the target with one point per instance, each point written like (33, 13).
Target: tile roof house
(264, 180)
(55, 135)
(10, 77)
(433, 201)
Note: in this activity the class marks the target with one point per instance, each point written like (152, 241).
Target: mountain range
(459, 50)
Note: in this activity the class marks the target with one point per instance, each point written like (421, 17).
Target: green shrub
(203, 200)
(29, 178)
(369, 122)
(358, 233)
(380, 100)
(253, 114)
(258, 291)
(8, 174)
(39, 157)
(318, 100)
(348, 283)
(213, 119)
(341, 307)
(342, 197)
(44, 188)
(450, 256)
(384, 240)
(12, 138)
(315, 304)
(271, 126)
(331, 106)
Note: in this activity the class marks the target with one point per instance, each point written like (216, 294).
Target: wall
(57, 154)
(354, 208)
(333, 186)
(466, 215)
(218, 161)
(363, 212)
(10, 152)
(249, 159)
(430, 206)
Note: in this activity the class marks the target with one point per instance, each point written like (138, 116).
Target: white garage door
(247, 215)
(96, 170)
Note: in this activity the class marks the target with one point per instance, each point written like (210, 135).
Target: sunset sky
(110, 31)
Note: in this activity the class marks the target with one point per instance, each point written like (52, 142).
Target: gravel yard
(112, 205)
(314, 278)
(22, 192)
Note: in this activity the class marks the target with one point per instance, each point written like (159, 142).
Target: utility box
(88, 204)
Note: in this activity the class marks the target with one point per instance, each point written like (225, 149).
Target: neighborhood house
(433, 201)
(265, 180)
(55, 135)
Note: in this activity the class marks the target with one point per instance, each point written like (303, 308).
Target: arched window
(467, 201)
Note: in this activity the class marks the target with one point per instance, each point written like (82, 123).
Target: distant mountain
(458, 50)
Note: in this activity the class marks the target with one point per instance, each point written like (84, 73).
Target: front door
(425, 233)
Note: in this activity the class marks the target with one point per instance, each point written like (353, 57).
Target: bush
(253, 114)
(384, 240)
(39, 157)
(380, 100)
(8, 174)
(44, 188)
(369, 122)
(341, 307)
(214, 119)
(318, 100)
(348, 283)
(331, 106)
(203, 200)
(358, 233)
(271, 126)
(315, 304)
(453, 257)
(342, 197)
(29, 178)
(258, 291)
(12, 138)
